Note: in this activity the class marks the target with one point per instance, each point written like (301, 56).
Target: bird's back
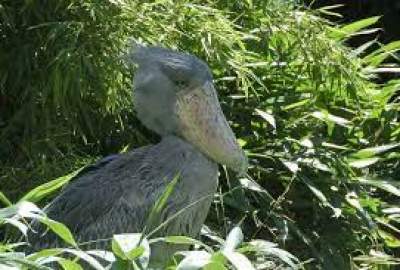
(116, 196)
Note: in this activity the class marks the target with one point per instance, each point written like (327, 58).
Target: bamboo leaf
(131, 246)
(354, 28)
(194, 260)
(46, 189)
(327, 117)
(234, 239)
(388, 186)
(267, 117)
(4, 199)
(373, 151)
(60, 229)
(363, 163)
(239, 261)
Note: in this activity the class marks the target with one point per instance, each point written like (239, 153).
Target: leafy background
(321, 131)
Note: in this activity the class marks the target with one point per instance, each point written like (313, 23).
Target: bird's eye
(181, 84)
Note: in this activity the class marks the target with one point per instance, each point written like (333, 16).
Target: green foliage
(132, 251)
(321, 133)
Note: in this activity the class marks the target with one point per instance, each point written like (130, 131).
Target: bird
(173, 96)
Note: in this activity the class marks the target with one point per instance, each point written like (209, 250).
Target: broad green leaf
(9, 267)
(86, 257)
(135, 253)
(117, 249)
(252, 185)
(390, 240)
(219, 257)
(22, 209)
(238, 260)
(69, 265)
(19, 260)
(121, 264)
(194, 260)
(242, 142)
(131, 246)
(207, 232)
(23, 228)
(306, 142)
(292, 166)
(214, 266)
(60, 229)
(103, 254)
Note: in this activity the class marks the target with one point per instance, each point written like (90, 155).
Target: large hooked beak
(203, 124)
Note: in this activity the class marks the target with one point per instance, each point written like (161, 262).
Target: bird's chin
(203, 124)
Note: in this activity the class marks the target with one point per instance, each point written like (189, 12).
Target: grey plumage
(117, 197)
(174, 97)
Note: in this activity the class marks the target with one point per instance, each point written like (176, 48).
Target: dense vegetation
(322, 136)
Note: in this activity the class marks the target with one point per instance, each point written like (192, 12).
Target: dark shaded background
(353, 10)
(359, 9)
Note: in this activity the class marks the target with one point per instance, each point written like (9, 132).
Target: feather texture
(116, 196)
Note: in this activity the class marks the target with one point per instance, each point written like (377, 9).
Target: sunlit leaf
(325, 116)
(60, 229)
(292, 166)
(86, 257)
(23, 228)
(233, 240)
(390, 239)
(69, 265)
(268, 248)
(373, 151)
(194, 260)
(363, 163)
(251, 185)
(48, 188)
(267, 117)
(131, 246)
(353, 28)
(388, 186)
(239, 261)
(22, 209)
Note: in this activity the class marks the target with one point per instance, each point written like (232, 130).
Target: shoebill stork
(174, 96)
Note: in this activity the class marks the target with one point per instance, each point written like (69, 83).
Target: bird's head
(174, 95)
